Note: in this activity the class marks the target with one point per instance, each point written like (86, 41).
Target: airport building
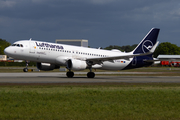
(3, 57)
(76, 42)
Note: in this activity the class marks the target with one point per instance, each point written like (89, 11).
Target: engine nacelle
(74, 64)
(46, 66)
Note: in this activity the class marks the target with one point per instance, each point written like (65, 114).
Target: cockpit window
(18, 45)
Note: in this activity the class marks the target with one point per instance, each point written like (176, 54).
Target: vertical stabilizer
(148, 42)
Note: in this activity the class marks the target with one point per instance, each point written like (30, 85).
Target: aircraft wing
(154, 60)
(123, 56)
(165, 58)
(169, 57)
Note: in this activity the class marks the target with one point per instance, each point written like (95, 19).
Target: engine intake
(73, 64)
(46, 66)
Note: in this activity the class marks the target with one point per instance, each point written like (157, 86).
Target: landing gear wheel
(70, 74)
(90, 74)
(25, 69)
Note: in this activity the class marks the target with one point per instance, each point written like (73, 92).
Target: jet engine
(74, 64)
(46, 66)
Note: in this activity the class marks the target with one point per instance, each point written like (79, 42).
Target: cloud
(96, 20)
(7, 3)
(99, 2)
(175, 13)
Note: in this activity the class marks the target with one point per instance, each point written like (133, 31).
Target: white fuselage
(53, 53)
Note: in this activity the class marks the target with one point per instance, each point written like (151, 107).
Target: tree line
(3, 45)
(127, 48)
(165, 48)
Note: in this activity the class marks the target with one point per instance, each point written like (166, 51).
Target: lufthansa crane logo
(146, 46)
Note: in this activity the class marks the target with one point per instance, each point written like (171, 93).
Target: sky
(101, 22)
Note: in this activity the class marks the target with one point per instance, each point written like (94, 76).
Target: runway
(60, 77)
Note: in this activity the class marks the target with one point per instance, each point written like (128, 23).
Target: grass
(90, 102)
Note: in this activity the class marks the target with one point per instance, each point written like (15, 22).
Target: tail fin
(148, 42)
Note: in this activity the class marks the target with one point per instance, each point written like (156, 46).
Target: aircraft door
(32, 47)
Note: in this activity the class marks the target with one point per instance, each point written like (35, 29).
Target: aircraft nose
(7, 51)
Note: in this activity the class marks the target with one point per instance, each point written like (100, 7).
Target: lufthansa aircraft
(51, 56)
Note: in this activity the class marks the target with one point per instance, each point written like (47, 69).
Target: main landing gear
(26, 68)
(70, 74)
(90, 74)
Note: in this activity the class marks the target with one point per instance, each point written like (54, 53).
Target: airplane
(51, 56)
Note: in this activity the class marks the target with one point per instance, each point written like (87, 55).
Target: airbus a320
(51, 56)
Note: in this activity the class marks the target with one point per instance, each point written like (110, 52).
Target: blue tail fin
(148, 42)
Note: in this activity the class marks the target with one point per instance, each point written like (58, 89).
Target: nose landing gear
(26, 68)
